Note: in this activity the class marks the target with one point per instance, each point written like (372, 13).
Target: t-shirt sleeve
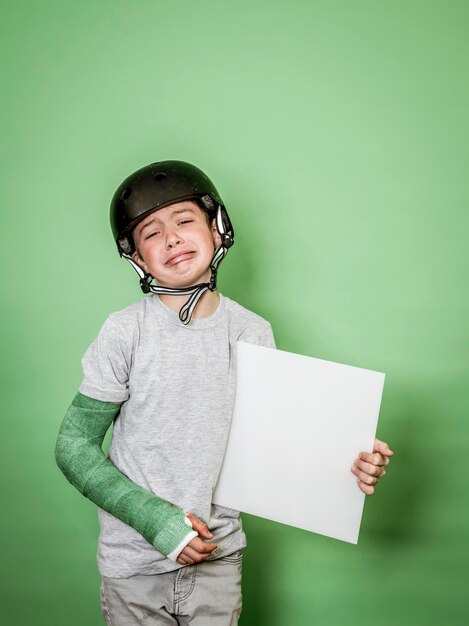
(267, 339)
(106, 365)
(260, 334)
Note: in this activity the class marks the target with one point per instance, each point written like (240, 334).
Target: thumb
(199, 526)
(382, 447)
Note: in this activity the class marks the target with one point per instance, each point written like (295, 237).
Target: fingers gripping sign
(369, 468)
(197, 550)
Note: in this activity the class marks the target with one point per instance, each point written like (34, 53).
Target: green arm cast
(79, 455)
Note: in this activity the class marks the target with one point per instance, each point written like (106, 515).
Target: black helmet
(156, 186)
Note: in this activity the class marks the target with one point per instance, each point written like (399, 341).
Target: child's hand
(199, 526)
(369, 467)
(197, 550)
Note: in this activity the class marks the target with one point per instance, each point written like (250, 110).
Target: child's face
(175, 245)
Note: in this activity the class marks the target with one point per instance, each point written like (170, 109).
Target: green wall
(337, 132)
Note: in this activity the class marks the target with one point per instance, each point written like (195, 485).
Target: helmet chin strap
(196, 291)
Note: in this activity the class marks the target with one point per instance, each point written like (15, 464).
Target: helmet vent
(159, 176)
(125, 195)
(125, 245)
(208, 202)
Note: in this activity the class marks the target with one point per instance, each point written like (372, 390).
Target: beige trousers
(207, 594)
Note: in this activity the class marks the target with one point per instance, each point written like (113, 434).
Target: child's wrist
(176, 530)
(172, 556)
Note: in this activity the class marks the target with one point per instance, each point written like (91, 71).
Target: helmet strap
(196, 291)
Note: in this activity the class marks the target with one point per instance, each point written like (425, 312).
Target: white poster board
(298, 424)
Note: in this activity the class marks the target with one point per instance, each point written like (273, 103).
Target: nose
(172, 238)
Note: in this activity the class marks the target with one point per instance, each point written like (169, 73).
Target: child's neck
(206, 306)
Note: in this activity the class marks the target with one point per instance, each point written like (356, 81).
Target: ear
(139, 261)
(215, 234)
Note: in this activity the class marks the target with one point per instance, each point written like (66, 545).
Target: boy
(163, 370)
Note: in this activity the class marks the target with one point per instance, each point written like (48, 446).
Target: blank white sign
(297, 426)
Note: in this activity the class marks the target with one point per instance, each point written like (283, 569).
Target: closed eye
(152, 234)
(185, 221)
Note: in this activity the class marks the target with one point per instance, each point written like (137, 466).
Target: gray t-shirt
(177, 386)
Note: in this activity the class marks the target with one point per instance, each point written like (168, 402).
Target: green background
(337, 134)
